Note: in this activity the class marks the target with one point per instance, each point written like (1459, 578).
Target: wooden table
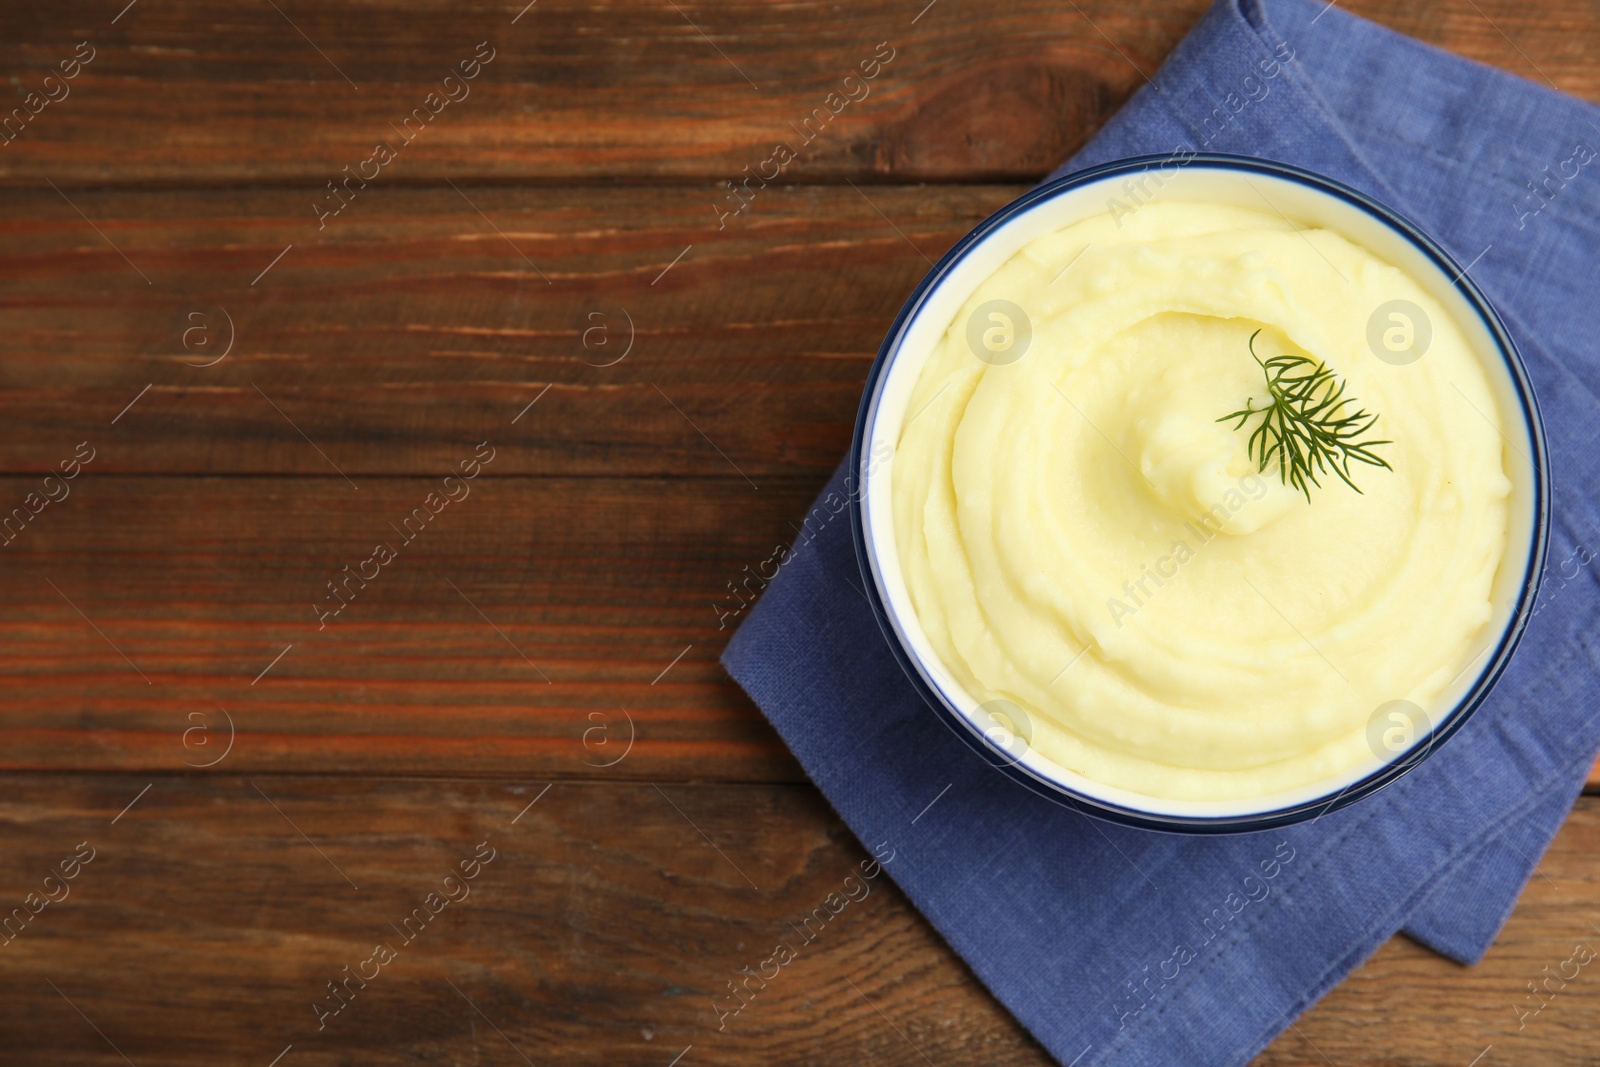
(268, 388)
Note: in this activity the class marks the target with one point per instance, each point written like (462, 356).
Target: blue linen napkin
(1120, 946)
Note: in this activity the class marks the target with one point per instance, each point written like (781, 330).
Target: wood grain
(598, 933)
(189, 587)
(414, 324)
(575, 92)
(635, 90)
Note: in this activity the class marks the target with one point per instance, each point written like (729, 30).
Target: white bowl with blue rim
(1304, 198)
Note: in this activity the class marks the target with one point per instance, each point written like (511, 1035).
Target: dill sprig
(1307, 425)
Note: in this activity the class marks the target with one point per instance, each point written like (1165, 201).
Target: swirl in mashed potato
(1080, 536)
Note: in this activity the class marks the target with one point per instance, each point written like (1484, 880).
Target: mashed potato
(1081, 536)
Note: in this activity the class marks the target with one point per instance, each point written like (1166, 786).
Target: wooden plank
(573, 92)
(597, 934)
(206, 926)
(634, 89)
(414, 324)
(144, 614)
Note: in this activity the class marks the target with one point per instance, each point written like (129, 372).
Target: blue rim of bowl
(1389, 772)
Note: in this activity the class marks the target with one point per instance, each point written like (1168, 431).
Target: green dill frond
(1308, 426)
